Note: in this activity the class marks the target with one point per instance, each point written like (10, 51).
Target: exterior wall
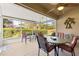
(75, 28)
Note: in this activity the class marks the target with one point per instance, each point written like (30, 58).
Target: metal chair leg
(58, 49)
(47, 54)
(73, 53)
(62, 50)
(39, 52)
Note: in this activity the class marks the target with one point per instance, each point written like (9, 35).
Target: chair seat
(66, 47)
(50, 48)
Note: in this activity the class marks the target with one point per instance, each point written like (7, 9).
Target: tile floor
(29, 49)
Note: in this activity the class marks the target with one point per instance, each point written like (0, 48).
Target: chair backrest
(74, 41)
(41, 42)
(69, 37)
(60, 35)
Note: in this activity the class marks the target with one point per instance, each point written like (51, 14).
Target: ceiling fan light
(60, 8)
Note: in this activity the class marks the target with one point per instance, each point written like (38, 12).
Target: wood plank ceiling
(50, 9)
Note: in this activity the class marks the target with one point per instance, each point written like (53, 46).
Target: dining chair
(44, 45)
(70, 47)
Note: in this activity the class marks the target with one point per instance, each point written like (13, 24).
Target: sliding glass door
(11, 28)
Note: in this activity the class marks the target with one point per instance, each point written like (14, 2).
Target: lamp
(60, 8)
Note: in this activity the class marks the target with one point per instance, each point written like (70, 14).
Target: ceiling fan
(61, 6)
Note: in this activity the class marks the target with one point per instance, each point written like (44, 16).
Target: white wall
(1, 26)
(14, 10)
(75, 28)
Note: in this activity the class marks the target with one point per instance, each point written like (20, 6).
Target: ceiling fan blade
(50, 10)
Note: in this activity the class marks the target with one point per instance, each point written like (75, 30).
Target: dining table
(56, 41)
